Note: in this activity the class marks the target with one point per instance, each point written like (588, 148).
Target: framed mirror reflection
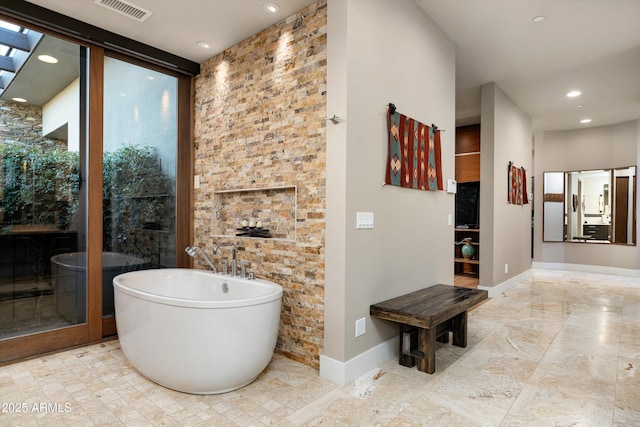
(590, 206)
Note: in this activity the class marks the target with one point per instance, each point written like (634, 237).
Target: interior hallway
(561, 348)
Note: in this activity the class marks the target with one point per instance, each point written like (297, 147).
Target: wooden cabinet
(468, 153)
(596, 231)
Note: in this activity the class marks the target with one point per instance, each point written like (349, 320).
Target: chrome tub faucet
(234, 260)
(192, 251)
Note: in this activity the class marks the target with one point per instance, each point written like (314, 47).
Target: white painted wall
(336, 224)
(63, 109)
(380, 52)
(505, 229)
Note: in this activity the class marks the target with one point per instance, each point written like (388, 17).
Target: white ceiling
(589, 45)
(176, 26)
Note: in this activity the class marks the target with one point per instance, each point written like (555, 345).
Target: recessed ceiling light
(574, 93)
(48, 59)
(270, 7)
(584, 121)
(19, 99)
(579, 106)
(203, 44)
(538, 18)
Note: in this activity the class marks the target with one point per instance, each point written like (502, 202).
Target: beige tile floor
(559, 349)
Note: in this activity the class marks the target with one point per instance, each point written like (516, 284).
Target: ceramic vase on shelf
(468, 251)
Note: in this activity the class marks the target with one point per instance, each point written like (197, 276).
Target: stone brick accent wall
(259, 123)
(22, 123)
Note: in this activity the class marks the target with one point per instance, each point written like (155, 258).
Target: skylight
(8, 50)
(10, 26)
(16, 44)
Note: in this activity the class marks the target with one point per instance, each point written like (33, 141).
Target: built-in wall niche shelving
(462, 264)
(467, 219)
(275, 207)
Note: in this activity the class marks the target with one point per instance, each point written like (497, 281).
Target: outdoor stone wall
(22, 123)
(259, 124)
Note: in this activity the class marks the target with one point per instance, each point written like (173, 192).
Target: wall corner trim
(342, 373)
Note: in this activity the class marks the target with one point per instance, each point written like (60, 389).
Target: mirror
(595, 206)
(587, 206)
(553, 207)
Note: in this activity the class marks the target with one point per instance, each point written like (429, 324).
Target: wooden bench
(428, 315)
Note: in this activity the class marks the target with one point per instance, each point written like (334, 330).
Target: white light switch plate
(361, 327)
(452, 186)
(364, 220)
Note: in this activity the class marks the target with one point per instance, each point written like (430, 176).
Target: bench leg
(460, 330)
(427, 345)
(406, 359)
(444, 338)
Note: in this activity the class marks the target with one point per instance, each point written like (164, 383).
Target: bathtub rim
(275, 295)
(59, 260)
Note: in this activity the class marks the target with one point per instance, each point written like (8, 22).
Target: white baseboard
(343, 373)
(498, 289)
(601, 269)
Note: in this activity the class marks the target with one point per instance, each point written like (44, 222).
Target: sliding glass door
(140, 152)
(95, 173)
(42, 196)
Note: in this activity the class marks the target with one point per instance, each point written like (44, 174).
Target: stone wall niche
(272, 207)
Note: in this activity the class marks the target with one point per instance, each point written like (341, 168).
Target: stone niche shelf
(275, 207)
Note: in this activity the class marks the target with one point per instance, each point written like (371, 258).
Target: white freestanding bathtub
(196, 331)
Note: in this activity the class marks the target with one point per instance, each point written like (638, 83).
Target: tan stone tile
(561, 404)
(434, 409)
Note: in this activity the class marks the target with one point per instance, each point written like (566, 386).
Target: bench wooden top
(428, 307)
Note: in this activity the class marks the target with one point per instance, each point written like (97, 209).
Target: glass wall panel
(42, 198)
(140, 149)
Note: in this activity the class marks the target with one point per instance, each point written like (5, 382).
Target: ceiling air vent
(125, 8)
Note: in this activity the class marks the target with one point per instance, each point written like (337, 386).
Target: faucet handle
(243, 268)
(225, 268)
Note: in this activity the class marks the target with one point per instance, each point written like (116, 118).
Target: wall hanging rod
(393, 109)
